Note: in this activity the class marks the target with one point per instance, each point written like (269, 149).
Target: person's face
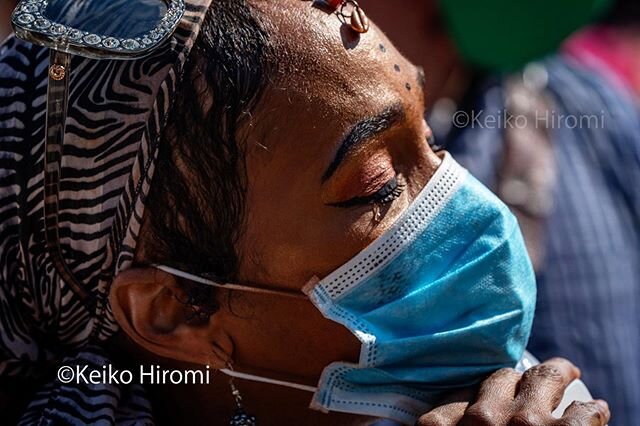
(338, 139)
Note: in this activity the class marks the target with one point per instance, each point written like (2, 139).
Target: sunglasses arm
(57, 99)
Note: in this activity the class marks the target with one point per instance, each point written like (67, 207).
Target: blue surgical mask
(441, 300)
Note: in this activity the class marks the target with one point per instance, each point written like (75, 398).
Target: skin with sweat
(302, 222)
(293, 231)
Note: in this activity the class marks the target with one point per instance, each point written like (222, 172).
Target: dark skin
(313, 164)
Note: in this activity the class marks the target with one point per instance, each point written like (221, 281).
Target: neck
(214, 404)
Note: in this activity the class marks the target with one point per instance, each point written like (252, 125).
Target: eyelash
(389, 192)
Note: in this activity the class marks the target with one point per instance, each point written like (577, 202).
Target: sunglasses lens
(114, 18)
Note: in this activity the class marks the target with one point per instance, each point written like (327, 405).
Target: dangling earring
(240, 417)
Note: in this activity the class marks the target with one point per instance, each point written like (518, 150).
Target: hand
(509, 398)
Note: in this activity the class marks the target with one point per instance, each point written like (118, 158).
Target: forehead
(322, 60)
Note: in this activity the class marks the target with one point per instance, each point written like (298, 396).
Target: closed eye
(385, 195)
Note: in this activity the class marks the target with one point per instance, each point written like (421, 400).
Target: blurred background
(541, 101)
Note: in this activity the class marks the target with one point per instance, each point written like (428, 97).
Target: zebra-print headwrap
(117, 111)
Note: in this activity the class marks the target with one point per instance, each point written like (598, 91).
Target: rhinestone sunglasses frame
(31, 24)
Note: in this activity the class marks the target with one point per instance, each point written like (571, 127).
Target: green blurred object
(506, 34)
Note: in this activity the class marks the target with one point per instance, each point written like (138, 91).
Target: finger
(450, 411)
(594, 413)
(495, 399)
(542, 387)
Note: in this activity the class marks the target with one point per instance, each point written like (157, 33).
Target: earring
(240, 417)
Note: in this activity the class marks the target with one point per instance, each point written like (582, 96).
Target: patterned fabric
(589, 283)
(117, 110)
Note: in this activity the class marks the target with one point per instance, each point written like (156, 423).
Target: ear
(146, 304)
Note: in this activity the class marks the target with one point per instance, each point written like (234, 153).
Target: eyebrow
(361, 132)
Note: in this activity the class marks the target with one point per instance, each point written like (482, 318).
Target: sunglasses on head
(97, 29)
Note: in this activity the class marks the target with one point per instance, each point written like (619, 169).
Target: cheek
(289, 234)
(284, 248)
